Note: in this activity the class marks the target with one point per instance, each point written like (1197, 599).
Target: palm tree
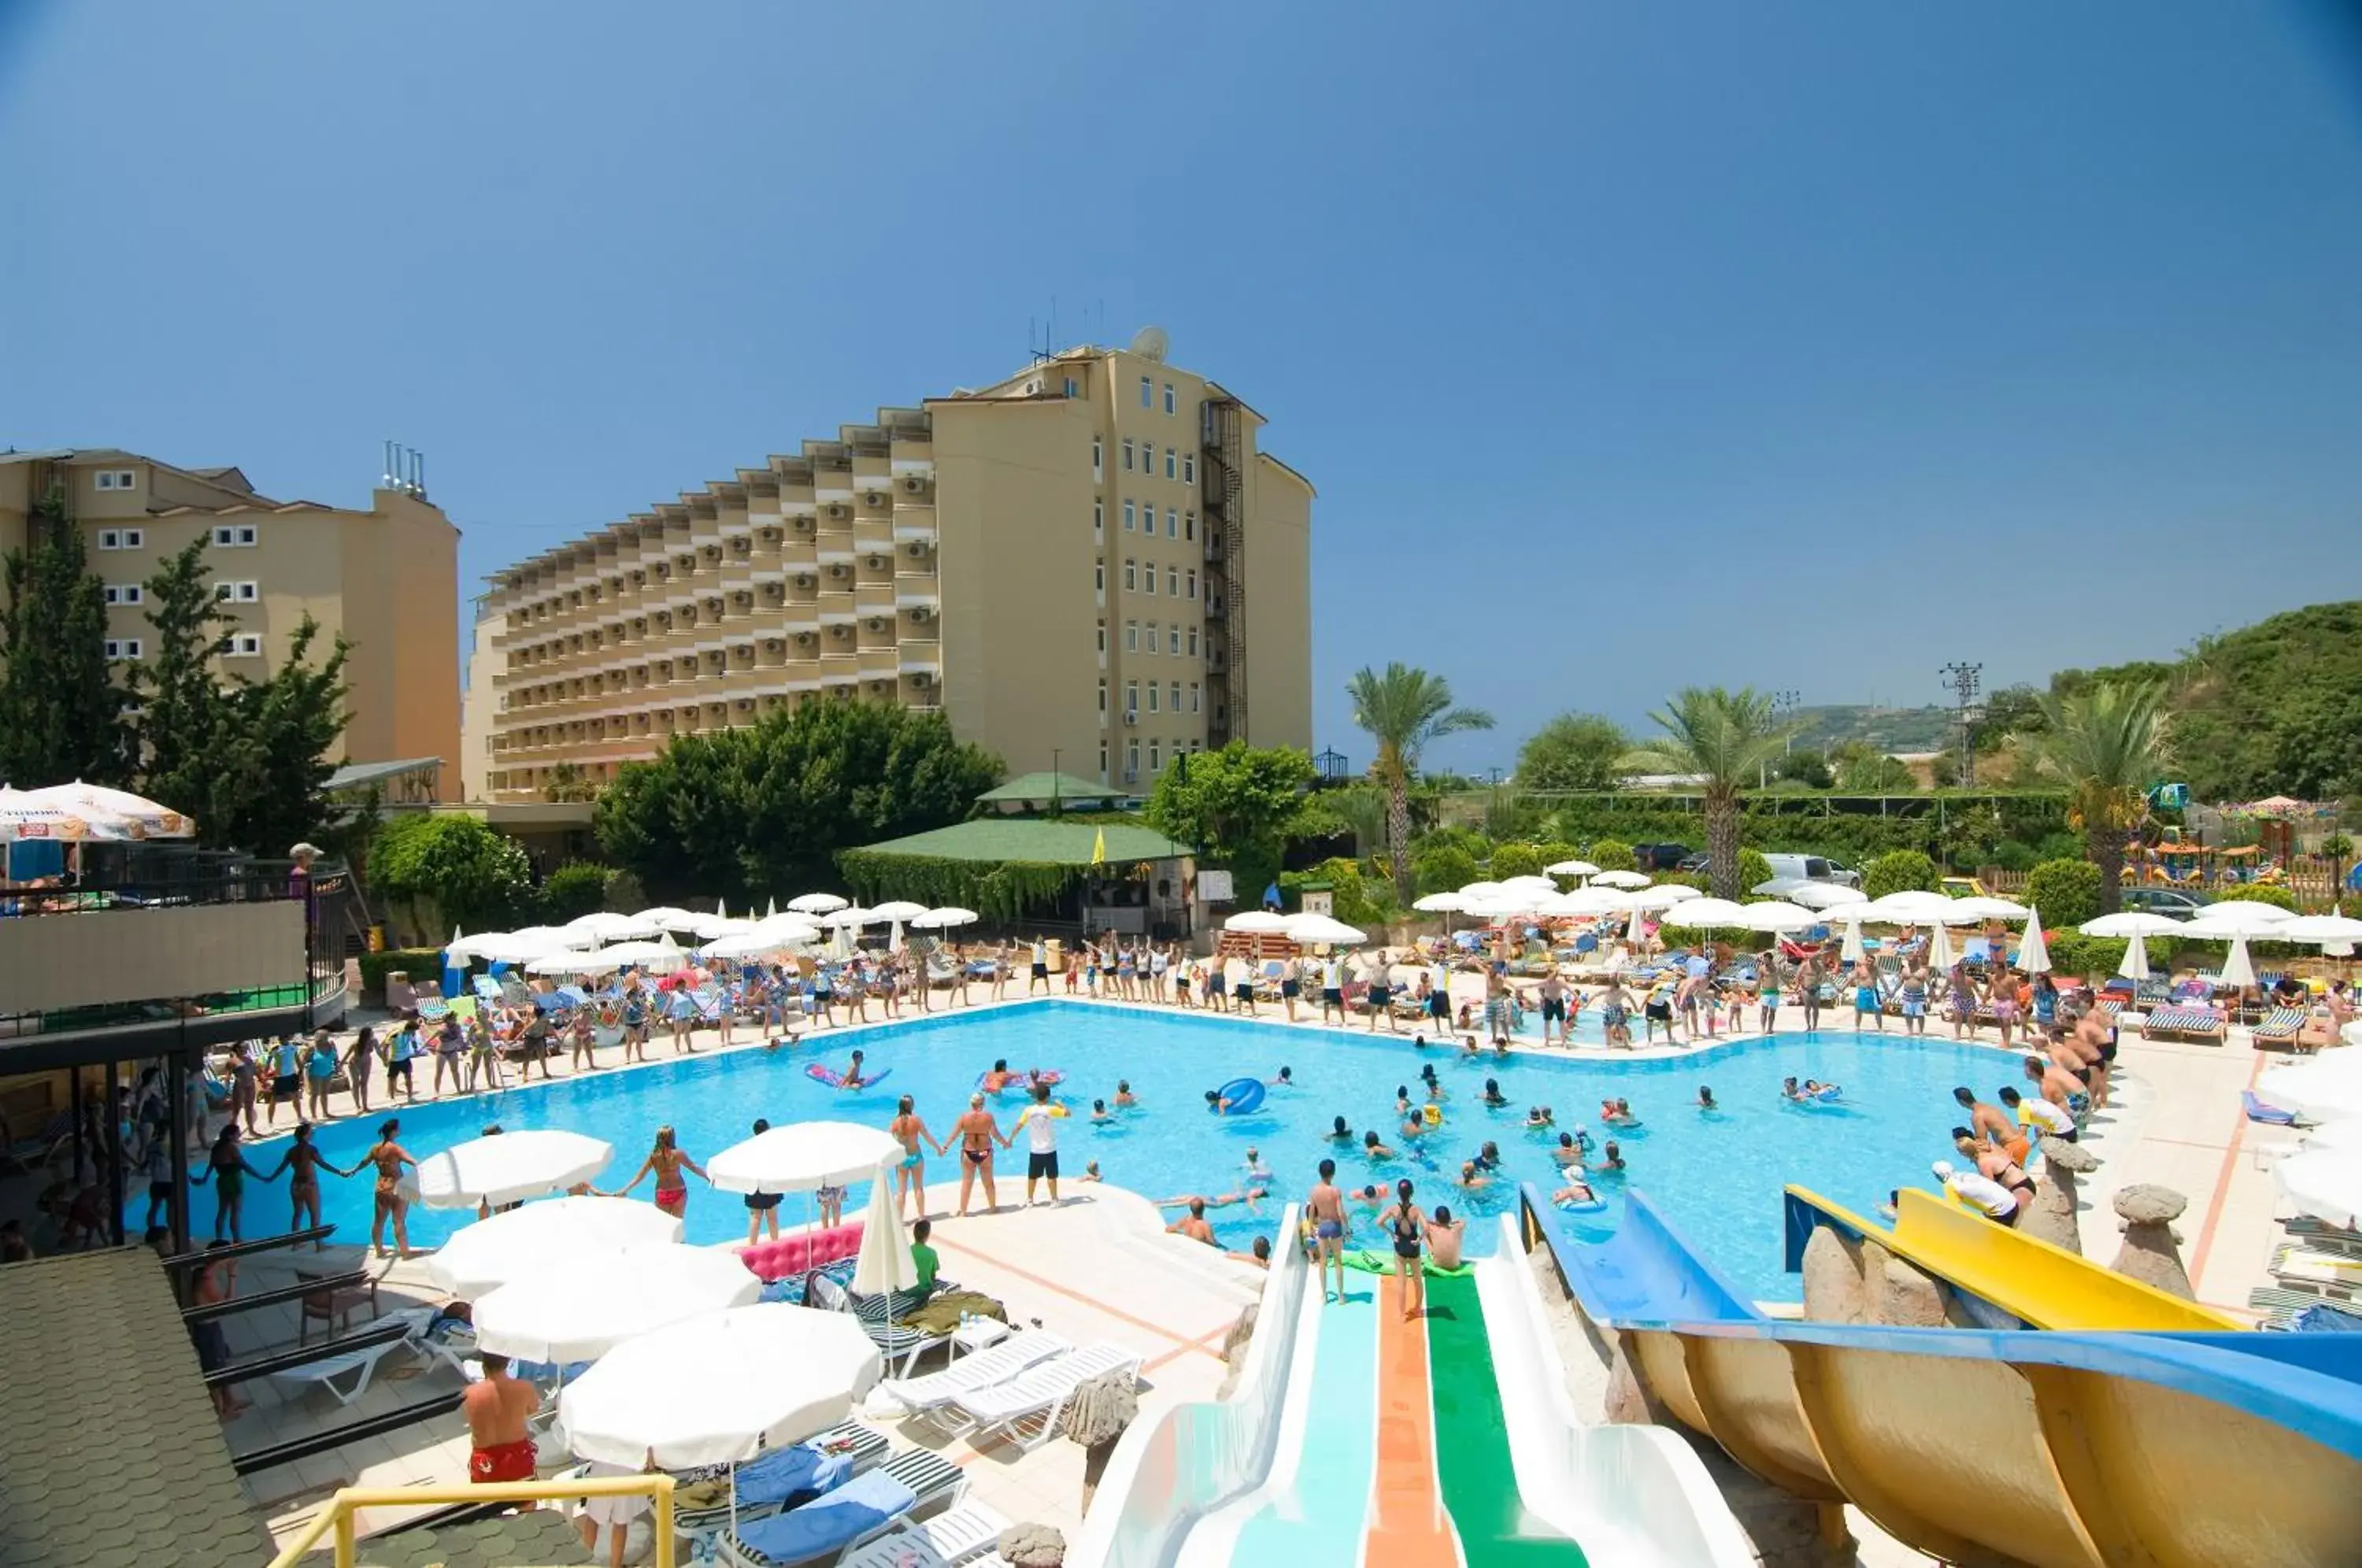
(2107, 745)
(1403, 709)
(1725, 739)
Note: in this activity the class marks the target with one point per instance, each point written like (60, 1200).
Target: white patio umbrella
(666, 917)
(2324, 1183)
(489, 1253)
(885, 1265)
(719, 1387)
(757, 940)
(1984, 908)
(1479, 889)
(1850, 916)
(897, 910)
(657, 958)
(21, 817)
(817, 903)
(1818, 895)
(1573, 869)
(2238, 917)
(2238, 966)
(507, 1168)
(521, 946)
(1663, 896)
(1940, 955)
(1259, 923)
(801, 1156)
(582, 1307)
(2033, 952)
(942, 918)
(143, 817)
(1534, 884)
(1776, 915)
(2327, 931)
(570, 962)
(2138, 926)
(605, 925)
(2326, 1089)
(1318, 928)
(1440, 904)
(850, 918)
(2345, 1133)
(1708, 915)
(1620, 879)
(709, 928)
(1912, 909)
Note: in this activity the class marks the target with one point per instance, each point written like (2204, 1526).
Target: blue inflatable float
(1239, 1097)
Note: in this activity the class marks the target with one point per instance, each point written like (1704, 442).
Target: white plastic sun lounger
(967, 1534)
(357, 1365)
(1004, 1361)
(1036, 1397)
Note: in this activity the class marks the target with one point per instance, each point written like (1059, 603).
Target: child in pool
(1099, 1111)
(1539, 1116)
(1402, 1100)
(1788, 1090)
(1091, 1170)
(1612, 1158)
(1493, 1095)
(1705, 1098)
(1124, 1099)
(1286, 1079)
(1373, 1149)
(1576, 1190)
(1468, 1046)
(1338, 1133)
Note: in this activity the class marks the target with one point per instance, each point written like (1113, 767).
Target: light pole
(1966, 680)
(1784, 708)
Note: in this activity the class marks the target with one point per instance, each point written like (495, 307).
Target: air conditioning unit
(873, 497)
(878, 686)
(916, 549)
(838, 570)
(770, 536)
(803, 525)
(714, 552)
(745, 705)
(804, 580)
(804, 639)
(920, 677)
(1130, 717)
(772, 644)
(662, 571)
(876, 623)
(914, 485)
(921, 613)
(838, 510)
(840, 631)
(743, 597)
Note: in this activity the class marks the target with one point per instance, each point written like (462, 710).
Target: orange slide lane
(1408, 1528)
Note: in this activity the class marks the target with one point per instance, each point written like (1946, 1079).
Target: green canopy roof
(1041, 789)
(1035, 842)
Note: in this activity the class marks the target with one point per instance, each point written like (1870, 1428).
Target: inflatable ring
(1241, 1096)
(1828, 1095)
(1433, 1115)
(1590, 1205)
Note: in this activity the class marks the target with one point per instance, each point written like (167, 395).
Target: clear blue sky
(1634, 347)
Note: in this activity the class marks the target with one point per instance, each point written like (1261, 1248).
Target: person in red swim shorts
(497, 1409)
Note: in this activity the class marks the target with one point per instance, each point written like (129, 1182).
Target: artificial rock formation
(1032, 1546)
(1835, 1291)
(2152, 1253)
(2052, 1218)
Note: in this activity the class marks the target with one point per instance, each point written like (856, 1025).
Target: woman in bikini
(977, 1130)
(228, 1170)
(909, 1129)
(1407, 1227)
(302, 1163)
(389, 1157)
(668, 1162)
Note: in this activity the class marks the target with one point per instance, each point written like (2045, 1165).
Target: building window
(1103, 755)
(121, 539)
(124, 593)
(1103, 635)
(246, 644)
(1155, 756)
(237, 592)
(1171, 402)
(1176, 696)
(1099, 522)
(1127, 454)
(1189, 526)
(1153, 696)
(1147, 393)
(118, 478)
(1173, 581)
(1171, 463)
(1131, 636)
(1098, 459)
(1151, 636)
(1194, 695)
(1102, 694)
(1129, 512)
(1071, 388)
(1098, 576)
(1176, 641)
(1172, 524)
(1190, 466)
(1148, 578)
(1130, 576)
(1193, 642)
(1130, 697)
(1192, 583)
(229, 537)
(123, 647)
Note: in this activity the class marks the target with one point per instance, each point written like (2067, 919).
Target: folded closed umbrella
(2033, 952)
(719, 1388)
(885, 1265)
(489, 1253)
(507, 1168)
(579, 1308)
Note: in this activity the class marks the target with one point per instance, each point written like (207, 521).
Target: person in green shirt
(922, 1256)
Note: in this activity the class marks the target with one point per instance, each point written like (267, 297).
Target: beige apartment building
(386, 579)
(1091, 566)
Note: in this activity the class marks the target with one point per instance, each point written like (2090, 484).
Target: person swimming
(1287, 1078)
(1338, 1133)
(1568, 1152)
(1493, 1095)
(1218, 1104)
(1612, 1158)
(1374, 1148)
(1489, 1156)
(1402, 1100)
(1000, 1078)
(1124, 1099)
(1473, 1177)
(1705, 1098)
(852, 1079)
(1099, 1111)
(1468, 1047)
(1256, 1169)
(1788, 1090)
(1539, 1116)
(1576, 1190)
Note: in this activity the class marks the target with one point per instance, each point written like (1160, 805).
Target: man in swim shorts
(497, 1409)
(1039, 1122)
(977, 1130)
(1989, 1122)
(1327, 1209)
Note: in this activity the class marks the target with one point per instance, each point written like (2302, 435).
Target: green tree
(578, 888)
(1515, 860)
(1615, 855)
(1806, 765)
(183, 709)
(568, 782)
(1899, 871)
(1863, 769)
(766, 809)
(2012, 711)
(1404, 710)
(449, 870)
(1725, 739)
(1238, 806)
(1574, 751)
(60, 711)
(2106, 744)
(1753, 870)
(270, 760)
(2067, 892)
(1444, 867)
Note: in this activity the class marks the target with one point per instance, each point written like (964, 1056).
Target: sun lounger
(2201, 1024)
(969, 1533)
(1034, 1399)
(901, 1347)
(1004, 1361)
(767, 1483)
(861, 1510)
(347, 1377)
(2279, 1027)
(2323, 1272)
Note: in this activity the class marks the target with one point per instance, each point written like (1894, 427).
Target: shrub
(1515, 860)
(466, 874)
(1899, 871)
(2011, 855)
(1612, 854)
(1753, 871)
(1443, 868)
(1555, 850)
(1358, 900)
(2279, 898)
(624, 894)
(2077, 957)
(421, 964)
(579, 888)
(2064, 892)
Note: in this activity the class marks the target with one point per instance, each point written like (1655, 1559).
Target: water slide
(2071, 1447)
(1355, 1439)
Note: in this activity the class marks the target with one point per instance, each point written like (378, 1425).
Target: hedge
(421, 964)
(2064, 892)
(1899, 871)
(1973, 830)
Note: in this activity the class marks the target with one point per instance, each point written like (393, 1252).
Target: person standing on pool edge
(1407, 1226)
(1039, 1122)
(762, 1207)
(977, 1130)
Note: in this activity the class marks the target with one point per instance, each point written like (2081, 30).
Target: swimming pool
(1717, 1177)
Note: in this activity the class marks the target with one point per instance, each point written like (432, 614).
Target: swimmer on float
(1576, 1194)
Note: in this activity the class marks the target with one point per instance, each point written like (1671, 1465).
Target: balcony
(921, 656)
(915, 526)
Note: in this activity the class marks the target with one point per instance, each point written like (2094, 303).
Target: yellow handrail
(338, 1515)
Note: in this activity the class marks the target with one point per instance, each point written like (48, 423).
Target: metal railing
(337, 1515)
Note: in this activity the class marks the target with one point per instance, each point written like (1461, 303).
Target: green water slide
(1471, 1438)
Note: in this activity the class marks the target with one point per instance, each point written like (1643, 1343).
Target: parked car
(2174, 903)
(1660, 856)
(1811, 869)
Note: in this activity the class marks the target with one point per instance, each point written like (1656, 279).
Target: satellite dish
(1149, 343)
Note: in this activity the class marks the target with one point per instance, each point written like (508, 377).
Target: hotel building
(1090, 565)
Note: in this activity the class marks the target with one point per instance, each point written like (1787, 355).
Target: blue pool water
(1718, 1177)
